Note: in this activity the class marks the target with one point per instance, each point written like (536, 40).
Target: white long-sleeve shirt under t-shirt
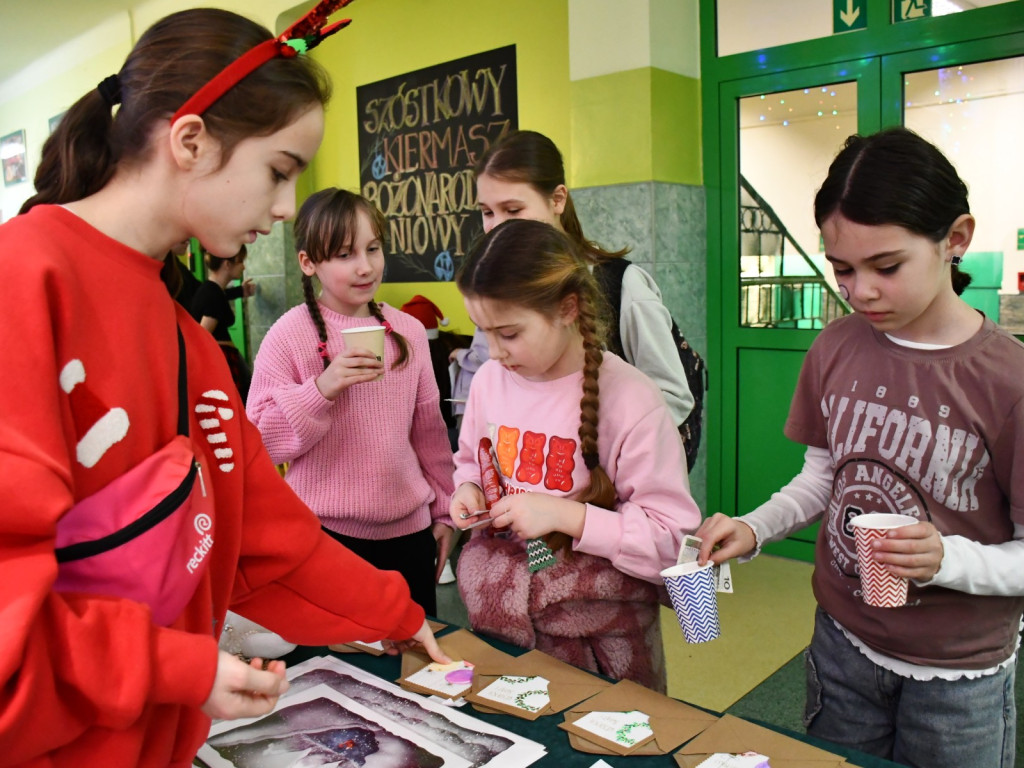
(967, 565)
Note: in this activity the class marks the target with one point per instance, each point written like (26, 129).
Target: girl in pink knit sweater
(368, 453)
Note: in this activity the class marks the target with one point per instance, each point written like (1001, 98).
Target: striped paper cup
(878, 587)
(692, 589)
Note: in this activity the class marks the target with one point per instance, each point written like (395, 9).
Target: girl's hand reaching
(244, 690)
(424, 638)
(353, 366)
(468, 499)
(532, 515)
(912, 552)
(735, 538)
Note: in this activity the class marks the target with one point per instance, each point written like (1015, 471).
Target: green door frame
(238, 328)
(876, 57)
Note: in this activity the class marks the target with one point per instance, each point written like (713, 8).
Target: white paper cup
(369, 337)
(878, 587)
(692, 590)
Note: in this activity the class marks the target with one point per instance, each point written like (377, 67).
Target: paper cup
(878, 587)
(692, 589)
(369, 337)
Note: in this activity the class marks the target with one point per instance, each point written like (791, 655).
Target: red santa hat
(426, 311)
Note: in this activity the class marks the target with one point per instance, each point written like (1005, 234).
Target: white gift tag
(723, 578)
(622, 728)
(529, 693)
(725, 760)
(448, 680)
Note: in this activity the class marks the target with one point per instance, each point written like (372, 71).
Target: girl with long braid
(369, 455)
(589, 460)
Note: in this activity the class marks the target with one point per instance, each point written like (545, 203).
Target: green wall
(633, 126)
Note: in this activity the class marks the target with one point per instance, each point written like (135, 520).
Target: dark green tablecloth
(545, 730)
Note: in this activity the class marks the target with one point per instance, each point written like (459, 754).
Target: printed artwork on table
(320, 728)
(335, 714)
(528, 693)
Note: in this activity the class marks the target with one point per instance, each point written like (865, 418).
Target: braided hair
(324, 227)
(533, 265)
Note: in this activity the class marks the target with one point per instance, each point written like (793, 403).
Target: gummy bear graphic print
(560, 464)
(507, 449)
(551, 469)
(531, 458)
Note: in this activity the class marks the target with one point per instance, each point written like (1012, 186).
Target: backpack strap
(609, 276)
(182, 386)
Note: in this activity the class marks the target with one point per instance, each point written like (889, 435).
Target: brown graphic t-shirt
(932, 434)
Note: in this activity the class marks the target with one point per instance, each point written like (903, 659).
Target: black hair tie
(591, 460)
(110, 90)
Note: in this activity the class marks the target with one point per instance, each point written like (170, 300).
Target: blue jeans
(926, 724)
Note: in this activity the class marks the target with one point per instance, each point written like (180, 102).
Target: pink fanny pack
(147, 535)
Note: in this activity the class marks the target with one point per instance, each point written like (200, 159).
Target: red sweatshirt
(89, 680)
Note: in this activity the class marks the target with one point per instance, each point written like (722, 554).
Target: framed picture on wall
(12, 155)
(55, 121)
(420, 134)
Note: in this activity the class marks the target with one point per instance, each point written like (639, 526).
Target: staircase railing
(769, 297)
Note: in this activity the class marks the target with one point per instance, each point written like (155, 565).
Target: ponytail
(593, 252)
(77, 159)
(960, 278)
(169, 63)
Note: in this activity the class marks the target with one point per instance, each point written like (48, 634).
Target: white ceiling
(32, 28)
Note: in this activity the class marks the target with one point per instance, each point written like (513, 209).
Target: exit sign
(908, 10)
(848, 15)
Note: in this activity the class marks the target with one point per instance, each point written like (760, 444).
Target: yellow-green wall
(398, 36)
(636, 125)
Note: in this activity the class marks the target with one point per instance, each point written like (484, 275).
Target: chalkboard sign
(420, 134)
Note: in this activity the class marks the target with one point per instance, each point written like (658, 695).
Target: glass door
(969, 102)
(776, 110)
(786, 129)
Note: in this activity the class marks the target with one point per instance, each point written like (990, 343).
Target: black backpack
(609, 278)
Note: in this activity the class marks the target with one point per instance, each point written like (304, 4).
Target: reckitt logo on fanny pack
(203, 523)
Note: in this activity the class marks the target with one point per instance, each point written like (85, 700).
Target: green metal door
(773, 119)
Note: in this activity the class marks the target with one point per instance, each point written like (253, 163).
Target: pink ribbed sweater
(376, 462)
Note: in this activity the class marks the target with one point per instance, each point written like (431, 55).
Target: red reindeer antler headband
(302, 36)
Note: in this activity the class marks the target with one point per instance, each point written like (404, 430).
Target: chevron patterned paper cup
(878, 587)
(692, 589)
